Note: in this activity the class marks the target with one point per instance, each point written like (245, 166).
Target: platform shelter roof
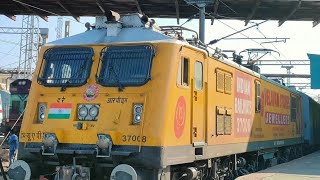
(281, 10)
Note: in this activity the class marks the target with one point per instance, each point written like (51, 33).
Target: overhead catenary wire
(189, 19)
(8, 53)
(16, 62)
(271, 42)
(217, 40)
(9, 42)
(29, 5)
(232, 28)
(227, 6)
(225, 24)
(274, 45)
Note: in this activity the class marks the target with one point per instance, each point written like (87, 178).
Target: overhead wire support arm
(257, 38)
(45, 18)
(276, 39)
(189, 19)
(217, 40)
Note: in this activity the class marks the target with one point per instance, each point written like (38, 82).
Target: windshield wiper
(111, 69)
(64, 87)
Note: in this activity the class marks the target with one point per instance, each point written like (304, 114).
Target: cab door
(198, 100)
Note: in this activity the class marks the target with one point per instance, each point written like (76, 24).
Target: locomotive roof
(280, 85)
(253, 73)
(128, 29)
(99, 36)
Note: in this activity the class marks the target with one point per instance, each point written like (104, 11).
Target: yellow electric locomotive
(130, 101)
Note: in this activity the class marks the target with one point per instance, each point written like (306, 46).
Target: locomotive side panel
(245, 113)
(242, 112)
(259, 110)
(281, 114)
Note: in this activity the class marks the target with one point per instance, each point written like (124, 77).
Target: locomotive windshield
(66, 66)
(126, 66)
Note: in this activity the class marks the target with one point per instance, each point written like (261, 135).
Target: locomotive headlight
(83, 111)
(138, 109)
(94, 111)
(137, 113)
(88, 112)
(41, 112)
(138, 117)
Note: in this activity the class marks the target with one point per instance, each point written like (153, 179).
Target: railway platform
(306, 167)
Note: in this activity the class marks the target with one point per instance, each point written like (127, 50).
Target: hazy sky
(303, 39)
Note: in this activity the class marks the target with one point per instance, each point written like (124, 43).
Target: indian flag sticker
(59, 111)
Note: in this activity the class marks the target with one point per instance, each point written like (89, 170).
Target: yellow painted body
(196, 123)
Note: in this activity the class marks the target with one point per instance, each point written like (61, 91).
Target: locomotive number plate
(134, 138)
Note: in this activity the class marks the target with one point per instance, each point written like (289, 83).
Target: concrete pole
(202, 21)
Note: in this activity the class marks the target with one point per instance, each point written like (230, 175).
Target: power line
(274, 45)
(9, 64)
(271, 42)
(228, 6)
(231, 28)
(10, 51)
(44, 10)
(227, 25)
(8, 54)
(9, 42)
(217, 40)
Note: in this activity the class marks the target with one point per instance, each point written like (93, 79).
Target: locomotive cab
(102, 100)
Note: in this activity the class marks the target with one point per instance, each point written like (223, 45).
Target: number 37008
(134, 138)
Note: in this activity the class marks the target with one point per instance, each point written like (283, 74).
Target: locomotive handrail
(12, 127)
(175, 29)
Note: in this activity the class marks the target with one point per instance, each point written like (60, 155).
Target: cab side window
(198, 75)
(183, 72)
